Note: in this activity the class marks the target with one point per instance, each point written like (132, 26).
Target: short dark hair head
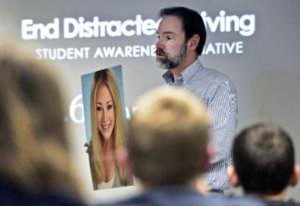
(192, 23)
(263, 157)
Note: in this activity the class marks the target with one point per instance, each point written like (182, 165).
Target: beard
(171, 62)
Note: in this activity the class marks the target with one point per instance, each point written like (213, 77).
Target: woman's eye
(109, 107)
(98, 109)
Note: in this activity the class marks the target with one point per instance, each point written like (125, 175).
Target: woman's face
(105, 111)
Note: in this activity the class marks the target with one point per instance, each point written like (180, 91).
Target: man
(168, 139)
(264, 163)
(181, 38)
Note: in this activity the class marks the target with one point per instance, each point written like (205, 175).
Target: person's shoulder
(289, 202)
(163, 196)
(191, 200)
(57, 201)
(133, 201)
(11, 194)
(235, 201)
(216, 77)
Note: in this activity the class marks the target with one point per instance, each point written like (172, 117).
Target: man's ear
(193, 42)
(294, 178)
(123, 161)
(233, 178)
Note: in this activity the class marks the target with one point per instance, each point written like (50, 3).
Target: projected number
(76, 109)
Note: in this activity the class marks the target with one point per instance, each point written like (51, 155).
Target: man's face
(171, 45)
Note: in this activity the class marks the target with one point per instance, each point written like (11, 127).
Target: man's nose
(160, 44)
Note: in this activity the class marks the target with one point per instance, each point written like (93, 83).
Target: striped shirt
(218, 93)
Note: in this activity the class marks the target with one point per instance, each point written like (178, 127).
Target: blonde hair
(105, 77)
(168, 136)
(34, 147)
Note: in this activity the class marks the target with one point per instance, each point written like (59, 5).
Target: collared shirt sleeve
(223, 107)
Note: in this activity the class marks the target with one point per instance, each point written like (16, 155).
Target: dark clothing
(282, 203)
(182, 196)
(12, 195)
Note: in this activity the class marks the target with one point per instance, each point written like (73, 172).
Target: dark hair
(263, 156)
(192, 23)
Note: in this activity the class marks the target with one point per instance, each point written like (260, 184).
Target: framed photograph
(104, 112)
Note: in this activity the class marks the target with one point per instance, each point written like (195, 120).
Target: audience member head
(168, 137)
(264, 160)
(34, 147)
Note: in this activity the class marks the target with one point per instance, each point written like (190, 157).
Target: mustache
(160, 52)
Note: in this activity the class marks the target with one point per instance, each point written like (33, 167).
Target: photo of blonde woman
(107, 131)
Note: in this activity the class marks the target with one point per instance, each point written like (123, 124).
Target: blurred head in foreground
(34, 147)
(168, 137)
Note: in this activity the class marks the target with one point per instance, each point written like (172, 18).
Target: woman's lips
(105, 126)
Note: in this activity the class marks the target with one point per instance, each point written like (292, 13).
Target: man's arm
(223, 107)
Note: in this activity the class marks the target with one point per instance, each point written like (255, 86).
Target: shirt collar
(185, 76)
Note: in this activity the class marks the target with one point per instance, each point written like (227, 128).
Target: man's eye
(168, 37)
